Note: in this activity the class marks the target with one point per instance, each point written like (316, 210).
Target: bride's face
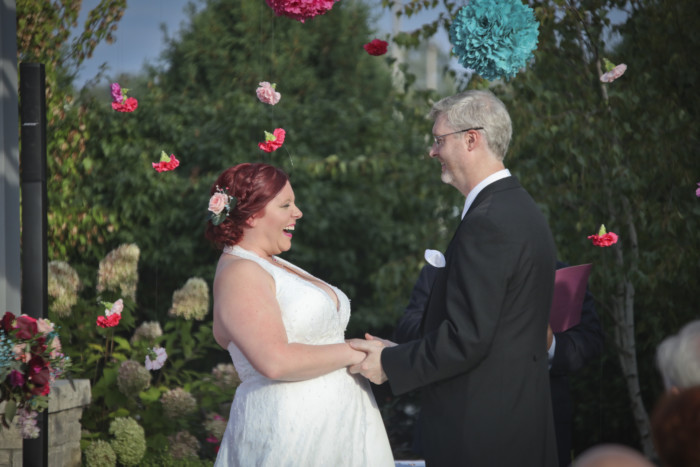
(276, 225)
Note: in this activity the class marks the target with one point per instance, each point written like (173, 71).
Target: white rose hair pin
(220, 204)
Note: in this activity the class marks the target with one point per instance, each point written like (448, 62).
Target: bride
(284, 329)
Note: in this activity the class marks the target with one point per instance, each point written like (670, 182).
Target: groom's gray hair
(473, 109)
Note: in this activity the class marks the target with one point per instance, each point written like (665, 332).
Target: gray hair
(473, 109)
(678, 357)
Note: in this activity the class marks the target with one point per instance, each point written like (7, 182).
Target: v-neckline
(293, 270)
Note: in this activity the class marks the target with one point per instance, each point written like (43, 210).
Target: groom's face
(447, 148)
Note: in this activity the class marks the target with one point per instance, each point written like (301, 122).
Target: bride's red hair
(253, 185)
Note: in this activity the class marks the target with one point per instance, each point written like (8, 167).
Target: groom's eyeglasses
(439, 139)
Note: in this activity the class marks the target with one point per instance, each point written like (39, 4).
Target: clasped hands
(371, 366)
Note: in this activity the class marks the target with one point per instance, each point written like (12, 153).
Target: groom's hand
(371, 367)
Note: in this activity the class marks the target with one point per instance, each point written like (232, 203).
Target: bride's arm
(246, 312)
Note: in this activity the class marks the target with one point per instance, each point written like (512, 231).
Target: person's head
(478, 109)
(472, 131)
(675, 428)
(254, 186)
(678, 358)
(611, 455)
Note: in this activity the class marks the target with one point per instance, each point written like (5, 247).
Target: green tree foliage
(618, 154)
(76, 226)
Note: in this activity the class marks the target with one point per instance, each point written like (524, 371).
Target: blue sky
(139, 38)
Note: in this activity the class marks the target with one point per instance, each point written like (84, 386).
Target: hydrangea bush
(172, 414)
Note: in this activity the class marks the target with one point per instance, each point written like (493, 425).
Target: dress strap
(236, 250)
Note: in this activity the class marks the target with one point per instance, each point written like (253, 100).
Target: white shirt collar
(483, 184)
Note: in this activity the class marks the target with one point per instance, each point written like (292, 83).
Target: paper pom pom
(495, 38)
(300, 10)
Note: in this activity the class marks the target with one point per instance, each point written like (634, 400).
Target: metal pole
(9, 162)
(32, 87)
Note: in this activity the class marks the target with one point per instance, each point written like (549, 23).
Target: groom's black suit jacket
(482, 360)
(575, 348)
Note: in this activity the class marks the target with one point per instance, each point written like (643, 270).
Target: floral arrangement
(166, 163)
(300, 10)
(220, 204)
(120, 102)
(30, 360)
(267, 93)
(495, 38)
(376, 47)
(612, 71)
(603, 238)
(273, 141)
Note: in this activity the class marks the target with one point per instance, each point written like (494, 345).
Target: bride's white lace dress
(328, 421)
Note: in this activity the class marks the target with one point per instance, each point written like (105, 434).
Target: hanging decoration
(612, 71)
(376, 47)
(166, 162)
(120, 102)
(273, 141)
(495, 38)
(267, 93)
(300, 10)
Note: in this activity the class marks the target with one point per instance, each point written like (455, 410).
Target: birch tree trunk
(623, 315)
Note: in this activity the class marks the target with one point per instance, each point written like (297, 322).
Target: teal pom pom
(495, 38)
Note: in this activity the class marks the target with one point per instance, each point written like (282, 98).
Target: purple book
(569, 291)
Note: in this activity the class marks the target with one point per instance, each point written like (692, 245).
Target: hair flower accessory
(273, 141)
(376, 47)
(120, 102)
(166, 162)
(267, 94)
(220, 204)
(495, 38)
(603, 238)
(612, 71)
(300, 10)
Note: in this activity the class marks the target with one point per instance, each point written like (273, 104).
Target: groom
(481, 360)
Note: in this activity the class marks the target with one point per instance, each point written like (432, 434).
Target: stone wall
(65, 409)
